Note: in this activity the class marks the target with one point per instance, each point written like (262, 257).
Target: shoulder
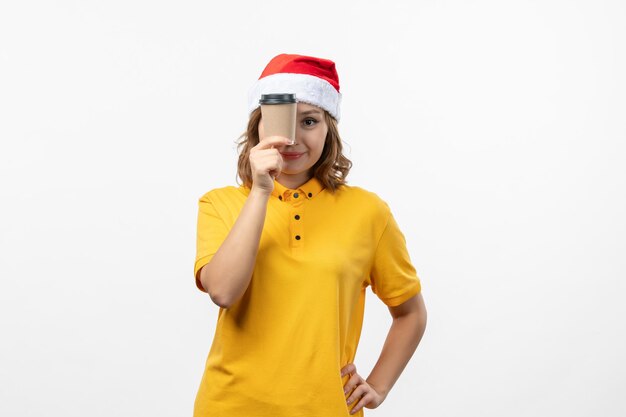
(225, 194)
(364, 199)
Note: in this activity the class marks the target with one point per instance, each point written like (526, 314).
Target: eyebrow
(311, 111)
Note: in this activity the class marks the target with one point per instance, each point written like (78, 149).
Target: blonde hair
(331, 169)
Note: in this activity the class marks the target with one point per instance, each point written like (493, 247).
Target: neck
(293, 181)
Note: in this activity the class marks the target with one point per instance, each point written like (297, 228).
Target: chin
(291, 172)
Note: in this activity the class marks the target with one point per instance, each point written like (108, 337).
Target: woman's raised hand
(266, 162)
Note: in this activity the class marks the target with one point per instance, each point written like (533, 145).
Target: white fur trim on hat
(307, 88)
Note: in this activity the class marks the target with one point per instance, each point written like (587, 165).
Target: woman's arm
(409, 323)
(227, 276)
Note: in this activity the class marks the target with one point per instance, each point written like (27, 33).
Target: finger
(266, 158)
(364, 400)
(350, 386)
(356, 395)
(348, 369)
(271, 141)
(354, 383)
(275, 173)
(276, 164)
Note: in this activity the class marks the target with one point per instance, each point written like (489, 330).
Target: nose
(298, 138)
(289, 145)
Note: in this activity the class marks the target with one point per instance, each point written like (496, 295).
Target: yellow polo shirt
(278, 350)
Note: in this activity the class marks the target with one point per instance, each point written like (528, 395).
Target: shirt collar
(309, 189)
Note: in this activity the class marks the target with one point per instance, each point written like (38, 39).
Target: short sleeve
(211, 232)
(393, 277)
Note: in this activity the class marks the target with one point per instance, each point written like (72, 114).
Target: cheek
(322, 140)
(319, 148)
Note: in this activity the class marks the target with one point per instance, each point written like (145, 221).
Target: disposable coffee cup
(279, 115)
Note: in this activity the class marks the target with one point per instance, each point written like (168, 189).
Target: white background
(494, 129)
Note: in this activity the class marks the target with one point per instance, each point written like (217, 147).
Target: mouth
(292, 155)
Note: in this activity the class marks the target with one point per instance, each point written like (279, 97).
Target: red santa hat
(312, 80)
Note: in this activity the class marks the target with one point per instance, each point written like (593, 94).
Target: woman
(288, 255)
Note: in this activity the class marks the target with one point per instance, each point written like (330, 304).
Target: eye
(309, 121)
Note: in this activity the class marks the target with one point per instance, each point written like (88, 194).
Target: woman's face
(311, 130)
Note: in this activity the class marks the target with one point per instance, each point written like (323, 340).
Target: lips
(291, 155)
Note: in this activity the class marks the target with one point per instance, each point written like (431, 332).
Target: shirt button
(297, 216)
(295, 195)
(297, 237)
(310, 195)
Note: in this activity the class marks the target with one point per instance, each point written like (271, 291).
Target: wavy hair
(331, 169)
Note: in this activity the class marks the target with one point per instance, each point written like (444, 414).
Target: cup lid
(282, 98)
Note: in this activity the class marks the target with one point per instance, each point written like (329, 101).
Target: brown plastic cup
(278, 112)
